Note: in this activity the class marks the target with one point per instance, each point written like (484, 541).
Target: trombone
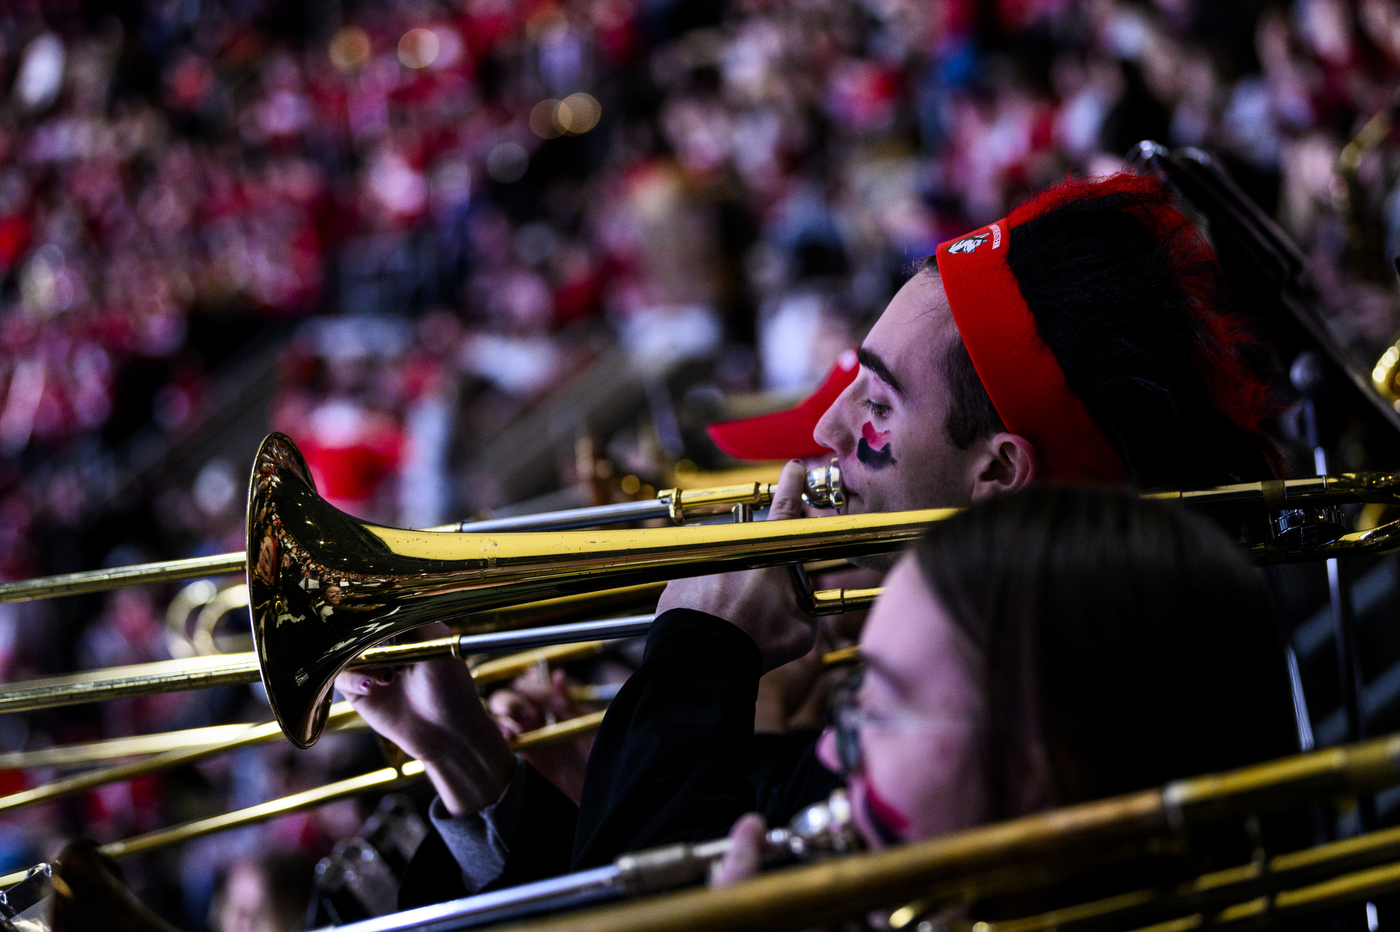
(679, 506)
(325, 588)
(1007, 857)
(342, 718)
(384, 780)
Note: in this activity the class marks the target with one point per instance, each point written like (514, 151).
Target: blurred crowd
(430, 218)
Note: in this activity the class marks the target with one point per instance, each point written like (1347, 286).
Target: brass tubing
(800, 897)
(1351, 887)
(115, 748)
(559, 731)
(136, 680)
(676, 503)
(324, 586)
(384, 780)
(493, 671)
(508, 668)
(48, 587)
(1216, 890)
(565, 608)
(1347, 488)
(838, 601)
(195, 673)
(242, 668)
(841, 657)
(1274, 494)
(341, 716)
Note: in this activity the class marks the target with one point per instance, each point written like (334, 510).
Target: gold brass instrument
(309, 563)
(384, 780)
(1012, 856)
(819, 830)
(324, 586)
(103, 749)
(679, 506)
(163, 751)
(1007, 857)
(342, 717)
(695, 548)
(388, 581)
(1364, 238)
(240, 669)
(599, 604)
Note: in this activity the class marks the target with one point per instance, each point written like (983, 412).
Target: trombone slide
(324, 586)
(819, 829)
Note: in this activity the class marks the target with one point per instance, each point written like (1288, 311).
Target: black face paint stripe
(875, 459)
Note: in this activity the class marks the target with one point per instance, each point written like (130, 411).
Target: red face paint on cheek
(874, 448)
(888, 820)
(875, 438)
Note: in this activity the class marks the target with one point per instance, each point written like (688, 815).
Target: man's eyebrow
(875, 364)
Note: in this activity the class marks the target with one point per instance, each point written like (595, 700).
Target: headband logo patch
(969, 243)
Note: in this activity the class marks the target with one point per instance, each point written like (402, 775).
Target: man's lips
(845, 463)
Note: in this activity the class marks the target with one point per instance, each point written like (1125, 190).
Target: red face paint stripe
(884, 811)
(875, 438)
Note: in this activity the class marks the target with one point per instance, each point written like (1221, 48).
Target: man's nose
(832, 431)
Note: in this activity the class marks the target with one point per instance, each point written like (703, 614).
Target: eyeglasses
(848, 718)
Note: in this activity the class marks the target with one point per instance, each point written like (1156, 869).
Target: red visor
(1021, 375)
(786, 435)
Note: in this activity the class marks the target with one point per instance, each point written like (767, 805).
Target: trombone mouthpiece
(822, 828)
(824, 489)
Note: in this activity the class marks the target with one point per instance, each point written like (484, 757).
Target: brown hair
(1132, 638)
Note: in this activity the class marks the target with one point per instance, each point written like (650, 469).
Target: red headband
(1021, 375)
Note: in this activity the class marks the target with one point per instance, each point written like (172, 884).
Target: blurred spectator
(269, 894)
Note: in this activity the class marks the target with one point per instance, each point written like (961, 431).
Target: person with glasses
(1047, 648)
(1079, 339)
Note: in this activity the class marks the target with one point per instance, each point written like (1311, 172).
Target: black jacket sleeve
(672, 759)
(806, 782)
(540, 847)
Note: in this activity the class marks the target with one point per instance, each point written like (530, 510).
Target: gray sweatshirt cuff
(480, 841)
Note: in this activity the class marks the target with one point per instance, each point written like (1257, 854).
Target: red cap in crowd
(786, 434)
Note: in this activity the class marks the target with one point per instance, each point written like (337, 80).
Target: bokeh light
(349, 49)
(41, 72)
(577, 113)
(507, 162)
(572, 116)
(418, 48)
(542, 119)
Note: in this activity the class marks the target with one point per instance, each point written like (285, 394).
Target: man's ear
(1007, 463)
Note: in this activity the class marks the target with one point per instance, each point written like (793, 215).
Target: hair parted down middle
(1130, 298)
(1132, 640)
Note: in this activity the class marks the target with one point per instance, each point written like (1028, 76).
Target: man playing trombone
(1078, 340)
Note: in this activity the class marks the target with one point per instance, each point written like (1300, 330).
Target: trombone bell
(323, 586)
